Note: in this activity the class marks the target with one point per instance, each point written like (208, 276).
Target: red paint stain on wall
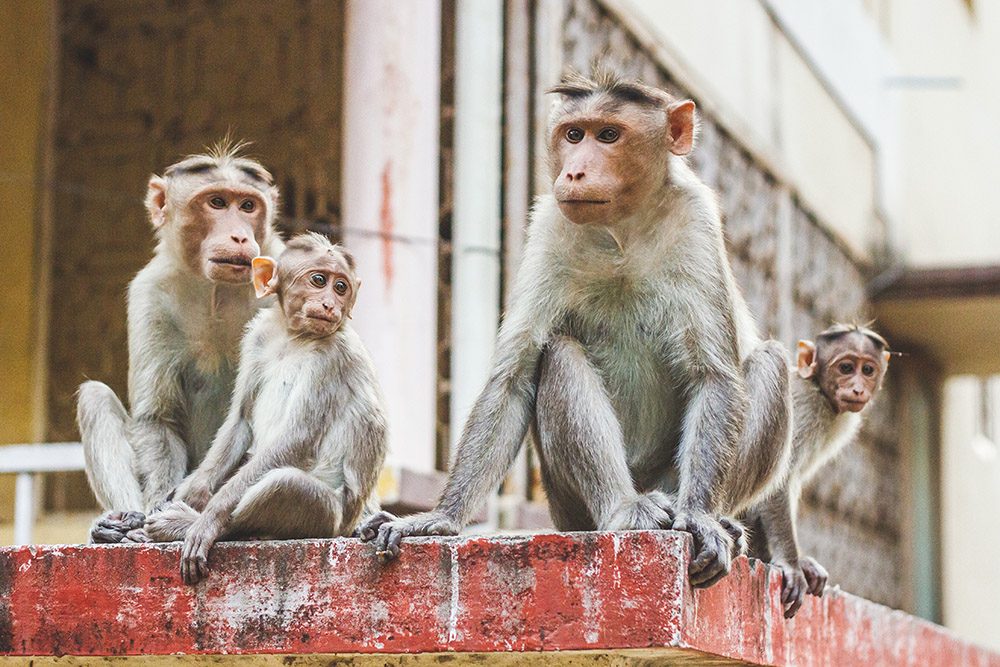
(386, 223)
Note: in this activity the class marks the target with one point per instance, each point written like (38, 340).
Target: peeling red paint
(387, 224)
(550, 592)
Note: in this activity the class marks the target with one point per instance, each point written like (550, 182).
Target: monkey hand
(194, 491)
(647, 511)
(793, 587)
(386, 530)
(738, 533)
(815, 574)
(114, 527)
(194, 554)
(711, 548)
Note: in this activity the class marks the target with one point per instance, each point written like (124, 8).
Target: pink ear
(807, 363)
(156, 201)
(265, 276)
(885, 359)
(681, 119)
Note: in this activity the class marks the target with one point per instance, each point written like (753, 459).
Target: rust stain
(386, 224)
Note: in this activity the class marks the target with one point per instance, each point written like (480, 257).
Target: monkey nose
(240, 238)
(575, 176)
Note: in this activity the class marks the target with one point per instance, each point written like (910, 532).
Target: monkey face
(608, 157)
(848, 369)
(213, 215)
(317, 292)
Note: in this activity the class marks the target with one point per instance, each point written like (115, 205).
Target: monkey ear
(354, 299)
(156, 201)
(807, 362)
(265, 276)
(680, 117)
(885, 359)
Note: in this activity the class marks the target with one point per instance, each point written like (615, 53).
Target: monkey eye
(340, 287)
(318, 280)
(608, 135)
(248, 206)
(217, 202)
(846, 368)
(574, 135)
(868, 370)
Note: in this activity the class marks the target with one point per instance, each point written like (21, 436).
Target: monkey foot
(815, 574)
(386, 530)
(712, 547)
(114, 527)
(738, 533)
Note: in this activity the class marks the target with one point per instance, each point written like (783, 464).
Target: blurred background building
(853, 144)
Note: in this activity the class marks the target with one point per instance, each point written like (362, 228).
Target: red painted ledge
(601, 592)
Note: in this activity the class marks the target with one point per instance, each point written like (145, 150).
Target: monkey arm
(777, 520)
(229, 445)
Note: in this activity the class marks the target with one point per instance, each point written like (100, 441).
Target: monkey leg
(582, 449)
(110, 462)
(765, 447)
(288, 503)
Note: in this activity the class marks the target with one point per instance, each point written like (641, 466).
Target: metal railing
(27, 462)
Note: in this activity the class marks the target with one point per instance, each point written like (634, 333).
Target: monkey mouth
(584, 201)
(324, 318)
(235, 260)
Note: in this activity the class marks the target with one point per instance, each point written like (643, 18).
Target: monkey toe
(369, 530)
(815, 576)
(103, 535)
(738, 534)
(137, 536)
(793, 588)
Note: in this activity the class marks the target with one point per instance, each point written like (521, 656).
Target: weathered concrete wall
(600, 592)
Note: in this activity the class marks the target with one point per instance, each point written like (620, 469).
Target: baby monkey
(836, 378)
(306, 435)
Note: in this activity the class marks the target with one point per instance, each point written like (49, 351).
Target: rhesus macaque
(307, 410)
(627, 345)
(836, 377)
(187, 309)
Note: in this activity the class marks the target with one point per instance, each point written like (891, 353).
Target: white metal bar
(56, 456)
(24, 508)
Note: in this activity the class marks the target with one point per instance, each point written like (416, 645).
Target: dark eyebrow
(195, 168)
(255, 174)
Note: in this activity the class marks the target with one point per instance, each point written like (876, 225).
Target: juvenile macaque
(835, 379)
(187, 309)
(627, 345)
(307, 412)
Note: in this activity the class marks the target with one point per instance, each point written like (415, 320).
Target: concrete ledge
(623, 596)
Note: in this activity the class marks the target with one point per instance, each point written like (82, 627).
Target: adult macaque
(307, 410)
(627, 345)
(836, 377)
(187, 309)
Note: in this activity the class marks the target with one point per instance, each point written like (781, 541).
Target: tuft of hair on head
(841, 329)
(607, 79)
(316, 242)
(228, 151)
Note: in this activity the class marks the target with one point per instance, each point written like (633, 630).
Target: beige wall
(950, 128)
(740, 62)
(970, 479)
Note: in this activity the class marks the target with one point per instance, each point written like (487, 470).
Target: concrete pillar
(390, 205)
(476, 221)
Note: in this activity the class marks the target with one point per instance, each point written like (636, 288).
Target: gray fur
(633, 352)
(302, 446)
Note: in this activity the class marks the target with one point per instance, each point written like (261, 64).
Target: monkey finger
(202, 563)
(138, 536)
(133, 520)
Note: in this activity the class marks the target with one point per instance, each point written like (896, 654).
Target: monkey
(212, 214)
(834, 380)
(627, 348)
(307, 409)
